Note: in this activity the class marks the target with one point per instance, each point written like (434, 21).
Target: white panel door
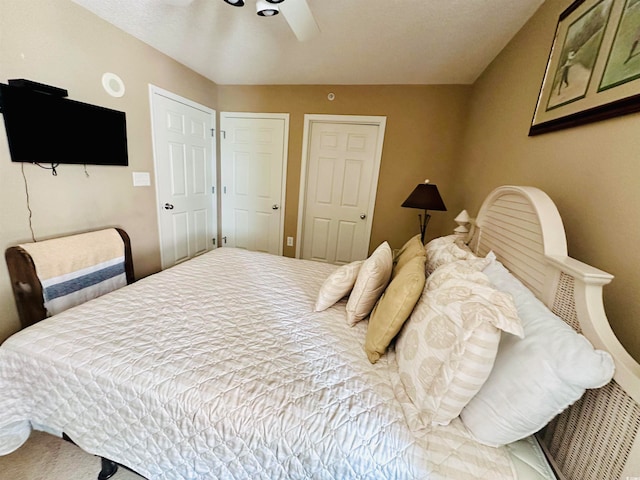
(253, 167)
(341, 180)
(184, 161)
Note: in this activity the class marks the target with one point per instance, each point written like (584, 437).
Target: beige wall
(59, 43)
(423, 131)
(591, 172)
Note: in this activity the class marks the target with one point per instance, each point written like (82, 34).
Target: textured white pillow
(337, 285)
(373, 278)
(534, 378)
(467, 269)
(444, 250)
(447, 347)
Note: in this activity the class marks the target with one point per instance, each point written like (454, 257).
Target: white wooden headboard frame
(597, 438)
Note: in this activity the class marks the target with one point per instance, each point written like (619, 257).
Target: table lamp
(425, 197)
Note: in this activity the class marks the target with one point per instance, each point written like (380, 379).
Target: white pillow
(447, 347)
(337, 285)
(373, 278)
(535, 378)
(444, 250)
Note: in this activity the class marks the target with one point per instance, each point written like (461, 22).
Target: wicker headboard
(27, 288)
(597, 438)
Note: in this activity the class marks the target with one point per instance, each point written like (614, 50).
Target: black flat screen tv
(48, 128)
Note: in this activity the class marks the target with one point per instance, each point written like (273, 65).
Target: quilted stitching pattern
(225, 372)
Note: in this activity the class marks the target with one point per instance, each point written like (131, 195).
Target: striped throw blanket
(77, 268)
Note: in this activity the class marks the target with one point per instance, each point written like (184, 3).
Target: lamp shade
(235, 3)
(426, 197)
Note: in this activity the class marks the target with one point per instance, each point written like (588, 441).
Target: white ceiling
(361, 41)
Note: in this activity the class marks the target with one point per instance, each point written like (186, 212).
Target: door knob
(168, 206)
(363, 216)
(275, 207)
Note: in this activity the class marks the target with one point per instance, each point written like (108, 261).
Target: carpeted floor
(46, 457)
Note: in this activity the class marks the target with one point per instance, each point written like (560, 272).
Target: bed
(220, 367)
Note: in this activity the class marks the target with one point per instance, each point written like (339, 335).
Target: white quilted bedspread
(219, 368)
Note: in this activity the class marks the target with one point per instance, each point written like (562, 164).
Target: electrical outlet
(289, 241)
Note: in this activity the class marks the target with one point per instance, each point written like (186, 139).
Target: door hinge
(224, 190)
(213, 190)
(213, 240)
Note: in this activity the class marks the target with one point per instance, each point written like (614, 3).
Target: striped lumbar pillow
(448, 346)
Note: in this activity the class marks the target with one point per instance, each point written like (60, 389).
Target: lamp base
(423, 224)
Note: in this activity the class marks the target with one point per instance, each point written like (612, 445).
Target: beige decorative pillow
(373, 278)
(446, 249)
(337, 285)
(394, 307)
(412, 248)
(448, 346)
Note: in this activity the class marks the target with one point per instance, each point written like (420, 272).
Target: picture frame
(593, 70)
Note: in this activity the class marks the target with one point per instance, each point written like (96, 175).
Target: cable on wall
(26, 189)
(53, 167)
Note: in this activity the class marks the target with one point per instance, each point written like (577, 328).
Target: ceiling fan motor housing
(297, 14)
(266, 8)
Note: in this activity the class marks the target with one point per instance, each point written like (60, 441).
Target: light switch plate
(141, 179)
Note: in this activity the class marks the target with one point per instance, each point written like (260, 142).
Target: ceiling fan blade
(300, 19)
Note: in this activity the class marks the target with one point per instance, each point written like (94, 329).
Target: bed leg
(109, 469)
